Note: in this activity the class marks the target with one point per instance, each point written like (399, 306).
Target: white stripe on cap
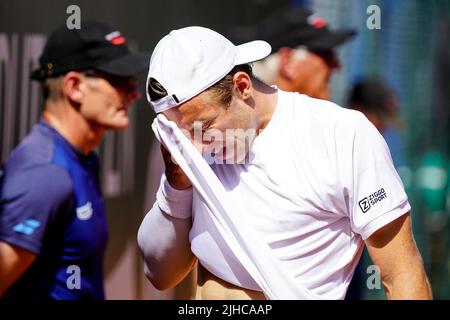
(164, 103)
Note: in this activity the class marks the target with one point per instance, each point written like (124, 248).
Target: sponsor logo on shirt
(27, 227)
(368, 202)
(85, 211)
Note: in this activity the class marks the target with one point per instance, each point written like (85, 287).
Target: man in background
(304, 51)
(53, 229)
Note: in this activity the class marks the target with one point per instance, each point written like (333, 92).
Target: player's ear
(286, 66)
(243, 84)
(72, 86)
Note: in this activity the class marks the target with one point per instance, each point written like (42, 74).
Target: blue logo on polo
(27, 227)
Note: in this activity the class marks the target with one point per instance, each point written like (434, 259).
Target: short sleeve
(373, 190)
(29, 203)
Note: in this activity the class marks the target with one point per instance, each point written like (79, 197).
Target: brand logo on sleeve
(368, 202)
(27, 227)
(85, 211)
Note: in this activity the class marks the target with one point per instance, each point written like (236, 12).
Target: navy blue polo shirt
(51, 205)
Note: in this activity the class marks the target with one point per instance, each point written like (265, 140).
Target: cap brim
(37, 75)
(128, 65)
(252, 51)
(331, 40)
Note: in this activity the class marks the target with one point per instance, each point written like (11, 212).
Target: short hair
(52, 88)
(267, 68)
(223, 88)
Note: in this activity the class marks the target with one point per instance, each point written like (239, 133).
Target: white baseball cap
(188, 61)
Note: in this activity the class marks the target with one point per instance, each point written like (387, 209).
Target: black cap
(296, 26)
(95, 46)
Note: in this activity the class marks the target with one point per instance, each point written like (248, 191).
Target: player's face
(313, 73)
(226, 132)
(107, 100)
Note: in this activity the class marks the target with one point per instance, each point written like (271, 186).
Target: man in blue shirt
(53, 230)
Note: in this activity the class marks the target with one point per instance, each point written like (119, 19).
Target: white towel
(255, 255)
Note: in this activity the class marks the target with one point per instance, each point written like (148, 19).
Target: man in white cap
(310, 186)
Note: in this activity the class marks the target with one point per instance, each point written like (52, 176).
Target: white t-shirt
(319, 181)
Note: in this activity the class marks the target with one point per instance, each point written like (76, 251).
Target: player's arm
(163, 236)
(393, 249)
(379, 208)
(14, 261)
(164, 244)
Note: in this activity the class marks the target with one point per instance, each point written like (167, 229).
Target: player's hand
(176, 177)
